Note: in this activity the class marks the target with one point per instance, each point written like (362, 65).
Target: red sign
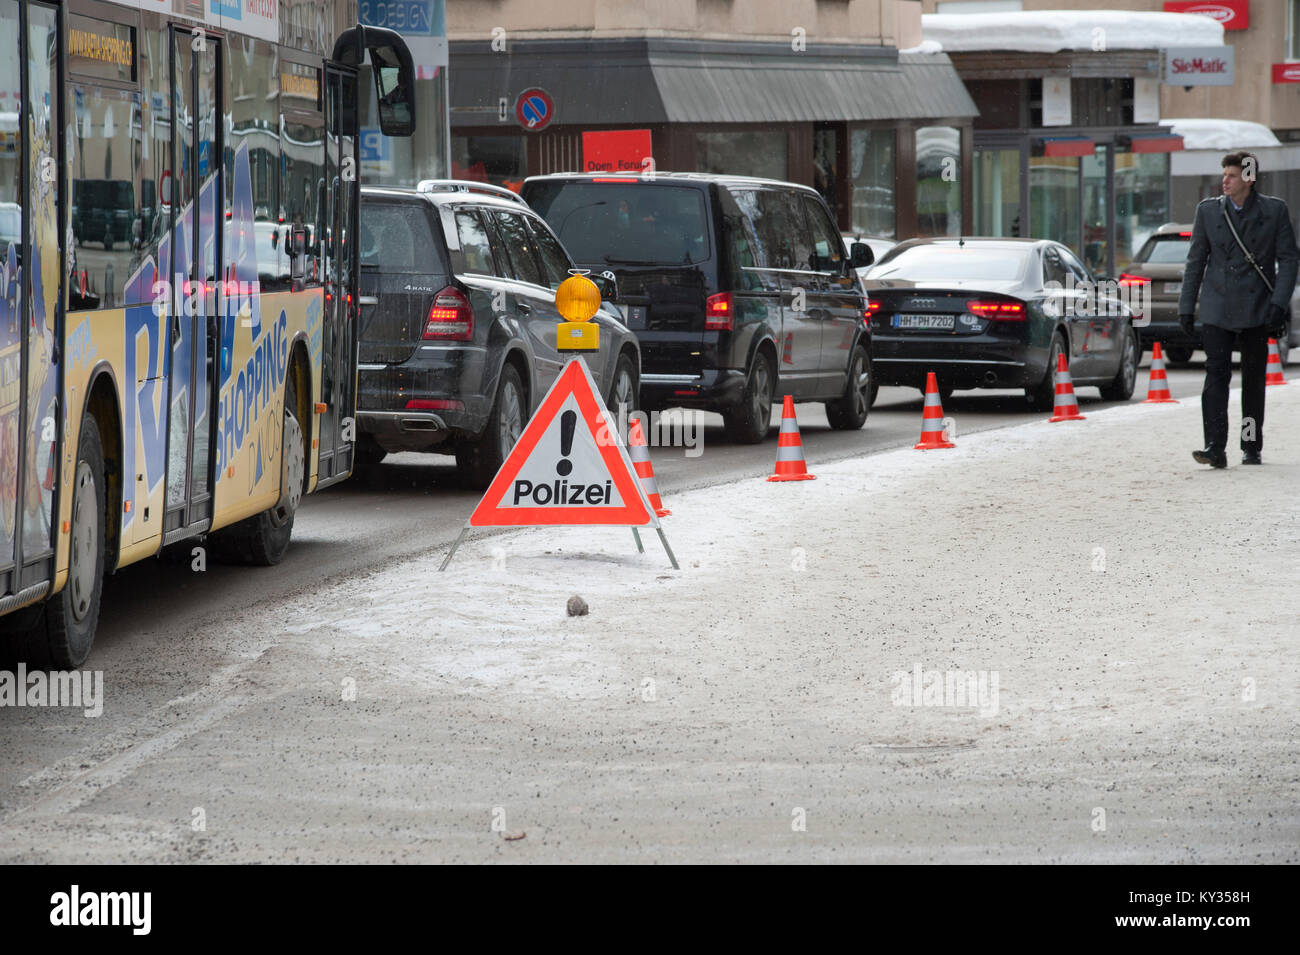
(1233, 14)
(568, 467)
(617, 150)
(1286, 72)
(534, 109)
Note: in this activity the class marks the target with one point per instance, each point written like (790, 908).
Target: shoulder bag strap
(1223, 202)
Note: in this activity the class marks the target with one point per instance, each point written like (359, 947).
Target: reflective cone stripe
(790, 465)
(787, 350)
(645, 471)
(1065, 407)
(932, 419)
(1273, 370)
(1158, 383)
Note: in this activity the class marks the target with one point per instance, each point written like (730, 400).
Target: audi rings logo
(923, 303)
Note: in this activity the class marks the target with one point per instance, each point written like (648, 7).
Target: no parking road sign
(534, 109)
(569, 467)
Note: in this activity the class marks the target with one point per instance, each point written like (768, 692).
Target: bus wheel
(263, 538)
(64, 631)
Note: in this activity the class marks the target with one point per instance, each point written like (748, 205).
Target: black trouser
(1253, 345)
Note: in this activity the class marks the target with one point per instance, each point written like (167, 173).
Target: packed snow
(1050, 31)
(1225, 134)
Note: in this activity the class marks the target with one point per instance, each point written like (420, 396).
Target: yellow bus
(178, 300)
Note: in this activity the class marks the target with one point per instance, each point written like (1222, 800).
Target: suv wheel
(1178, 354)
(748, 421)
(849, 413)
(623, 392)
(366, 454)
(479, 462)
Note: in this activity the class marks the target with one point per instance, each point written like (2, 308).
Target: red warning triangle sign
(568, 467)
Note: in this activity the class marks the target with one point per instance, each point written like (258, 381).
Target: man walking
(1236, 241)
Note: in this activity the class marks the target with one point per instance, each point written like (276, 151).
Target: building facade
(811, 91)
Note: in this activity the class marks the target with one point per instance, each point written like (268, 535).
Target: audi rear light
(719, 313)
(1129, 279)
(997, 311)
(450, 316)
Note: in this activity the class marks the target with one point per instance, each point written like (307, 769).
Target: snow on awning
(1051, 31)
(1221, 134)
(1068, 146)
(1155, 144)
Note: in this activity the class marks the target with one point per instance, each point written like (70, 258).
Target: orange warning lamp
(577, 300)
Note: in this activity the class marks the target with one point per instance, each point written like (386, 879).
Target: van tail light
(719, 313)
(450, 316)
(1128, 279)
(997, 311)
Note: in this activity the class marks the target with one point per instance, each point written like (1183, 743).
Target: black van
(739, 289)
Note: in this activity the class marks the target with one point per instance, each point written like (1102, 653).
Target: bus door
(339, 340)
(195, 252)
(30, 321)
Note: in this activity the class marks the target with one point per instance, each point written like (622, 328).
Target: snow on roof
(1225, 134)
(926, 46)
(1049, 31)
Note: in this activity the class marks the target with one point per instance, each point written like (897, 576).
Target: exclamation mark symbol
(568, 421)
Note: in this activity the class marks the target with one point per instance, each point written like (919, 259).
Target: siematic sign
(1199, 65)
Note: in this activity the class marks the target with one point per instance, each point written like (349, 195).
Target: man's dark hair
(1239, 159)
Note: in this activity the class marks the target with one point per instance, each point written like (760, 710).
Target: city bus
(178, 299)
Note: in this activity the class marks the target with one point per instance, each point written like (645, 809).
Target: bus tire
(262, 539)
(63, 632)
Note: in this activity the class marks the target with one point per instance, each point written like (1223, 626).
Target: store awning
(1068, 146)
(655, 80)
(1156, 144)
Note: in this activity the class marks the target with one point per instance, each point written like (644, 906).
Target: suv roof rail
(468, 185)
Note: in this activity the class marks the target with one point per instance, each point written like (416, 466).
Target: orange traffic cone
(932, 418)
(1158, 383)
(790, 464)
(645, 471)
(1066, 407)
(1273, 370)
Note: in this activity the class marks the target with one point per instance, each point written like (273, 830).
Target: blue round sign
(534, 109)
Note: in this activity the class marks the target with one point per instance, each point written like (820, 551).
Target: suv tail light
(719, 313)
(1127, 278)
(997, 311)
(450, 316)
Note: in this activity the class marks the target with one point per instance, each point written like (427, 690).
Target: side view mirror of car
(860, 255)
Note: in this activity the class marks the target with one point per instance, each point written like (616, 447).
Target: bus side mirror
(394, 72)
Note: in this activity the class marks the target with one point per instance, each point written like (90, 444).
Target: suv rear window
(1165, 250)
(396, 237)
(625, 223)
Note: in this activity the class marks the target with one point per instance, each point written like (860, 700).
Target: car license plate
(941, 323)
(1173, 288)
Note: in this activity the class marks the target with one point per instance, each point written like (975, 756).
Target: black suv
(458, 325)
(740, 290)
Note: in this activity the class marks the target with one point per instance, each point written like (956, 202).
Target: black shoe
(1215, 459)
(1251, 457)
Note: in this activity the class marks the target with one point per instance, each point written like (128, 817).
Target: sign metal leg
(636, 536)
(463, 532)
(668, 549)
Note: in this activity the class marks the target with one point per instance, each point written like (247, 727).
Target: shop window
(872, 165)
(1054, 199)
(997, 192)
(1141, 201)
(760, 153)
(938, 180)
(499, 160)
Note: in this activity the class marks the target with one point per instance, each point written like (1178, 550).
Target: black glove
(1277, 321)
(1188, 323)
